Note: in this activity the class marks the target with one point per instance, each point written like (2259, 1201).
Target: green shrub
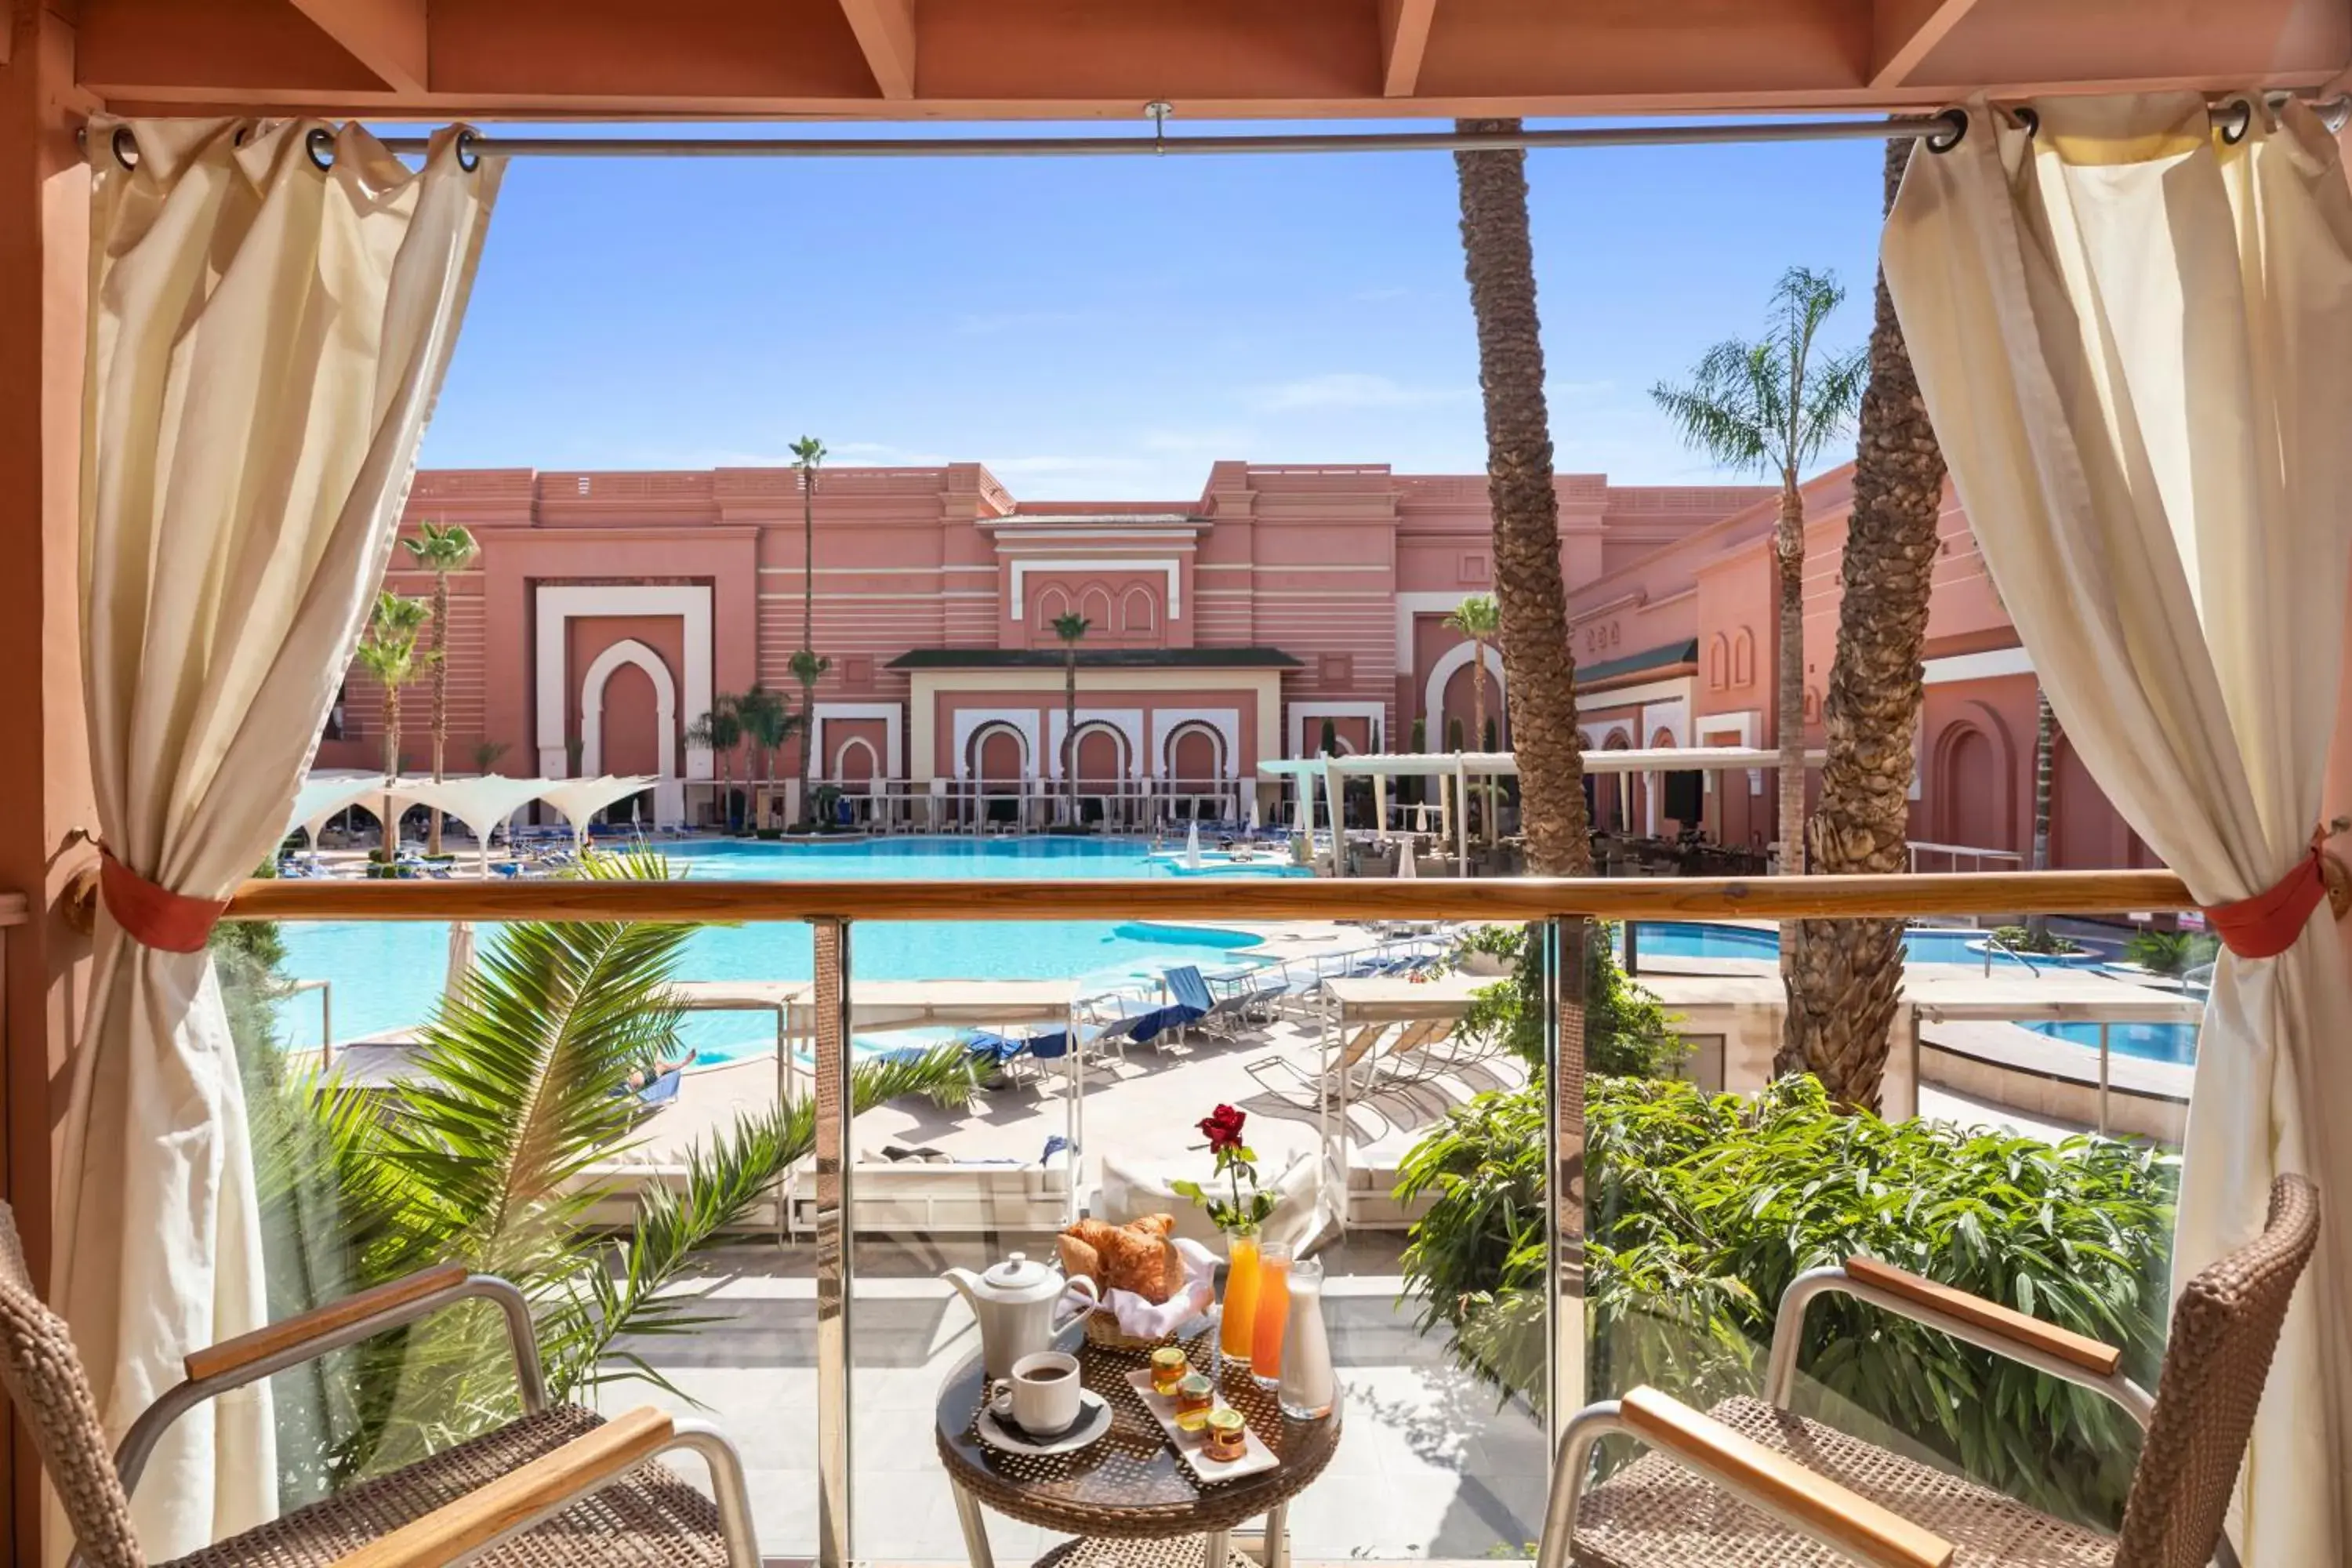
(2171, 951)
(1705, 1208)
(1627, 1030)
(2027, 939)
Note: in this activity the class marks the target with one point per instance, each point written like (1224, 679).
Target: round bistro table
(1128, 1488)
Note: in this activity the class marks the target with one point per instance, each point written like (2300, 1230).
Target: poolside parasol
(461, 960)
(1192, 845)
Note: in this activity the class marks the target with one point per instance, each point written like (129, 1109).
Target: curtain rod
(1941, 130)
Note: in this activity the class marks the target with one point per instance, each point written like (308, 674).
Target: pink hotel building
(604, 609)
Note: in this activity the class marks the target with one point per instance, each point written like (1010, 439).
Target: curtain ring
(320, 145)
(1945, 141)
(2027, 118)
(125, 147)
(468, 158)
(2243, 109)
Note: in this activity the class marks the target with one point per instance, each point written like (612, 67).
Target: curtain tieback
(152, 915)
(2268, 924)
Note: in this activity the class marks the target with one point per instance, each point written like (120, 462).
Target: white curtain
(2135, 339)
(272, 307)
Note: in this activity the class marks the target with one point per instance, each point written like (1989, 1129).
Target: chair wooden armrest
(2079, 1350)
(231, 1355)
(519, 1499)
(306, 1336)
(1820, 1508)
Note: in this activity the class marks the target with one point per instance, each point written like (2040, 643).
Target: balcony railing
(832, 910)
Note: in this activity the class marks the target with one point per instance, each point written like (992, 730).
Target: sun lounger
(957, 1197)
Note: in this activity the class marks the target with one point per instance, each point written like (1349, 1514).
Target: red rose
(1223, 1128)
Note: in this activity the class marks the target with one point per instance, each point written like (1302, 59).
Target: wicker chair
(1748, 1485)
(561, 1487)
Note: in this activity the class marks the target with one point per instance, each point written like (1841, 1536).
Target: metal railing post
(2104, 1026)
(1564, 939)
(835, 1107)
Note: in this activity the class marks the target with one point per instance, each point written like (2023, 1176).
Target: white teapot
(1014, 1301)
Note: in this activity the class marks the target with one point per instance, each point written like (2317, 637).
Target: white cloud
(1348, 389)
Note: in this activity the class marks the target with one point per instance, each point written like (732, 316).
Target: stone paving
(1430, 1466)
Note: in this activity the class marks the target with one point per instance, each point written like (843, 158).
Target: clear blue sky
(1104, 329)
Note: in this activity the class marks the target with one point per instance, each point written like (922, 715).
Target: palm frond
(1730, 409)
(1833, 399)
(722, 1183)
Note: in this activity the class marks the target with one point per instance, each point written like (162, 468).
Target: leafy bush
(1704, 1209)
(1627, 1030)
(2171, 951)
(2032, 939)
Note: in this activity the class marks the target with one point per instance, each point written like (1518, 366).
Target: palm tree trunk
(1538, 672)
(391, 770)
(1070, 729)
(2045, 747)
(1788, 701)
(1843, 977)
(440, 698)
(808, 646)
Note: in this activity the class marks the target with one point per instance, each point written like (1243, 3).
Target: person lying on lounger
(662, 1067)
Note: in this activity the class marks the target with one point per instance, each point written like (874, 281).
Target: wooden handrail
(1221, 898)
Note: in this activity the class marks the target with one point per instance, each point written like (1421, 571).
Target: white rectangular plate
(1191, 1447)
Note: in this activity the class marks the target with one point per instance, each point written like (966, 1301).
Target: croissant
(1080, 1259)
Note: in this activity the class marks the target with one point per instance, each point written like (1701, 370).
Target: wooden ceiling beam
(1404, 39)
(886, 31)
(1904, 32)
(388, 36)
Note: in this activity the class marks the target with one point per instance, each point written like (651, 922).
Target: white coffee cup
(1040, 1397)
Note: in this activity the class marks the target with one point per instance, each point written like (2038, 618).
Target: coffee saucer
(1093, 1420)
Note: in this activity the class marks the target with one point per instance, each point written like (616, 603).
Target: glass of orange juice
(1273, 1314)
(1240, 1320)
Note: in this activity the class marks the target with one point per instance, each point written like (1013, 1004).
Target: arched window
(1196, 753)
(854, 761)
(1743, 658)
(1093, 603)
(1138, 616)
(1052, 604)
(1719, 662)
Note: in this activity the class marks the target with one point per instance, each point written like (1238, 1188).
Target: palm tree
(2045, 763)
(1072, 630)
(766, 724)
(1538, 672)
(487, 1156)
(1476, 618)
(808, 456)
(1767, 407)
(1843, 977)
(486, 754)
(440, 550)
(721, 729)
(389, 653)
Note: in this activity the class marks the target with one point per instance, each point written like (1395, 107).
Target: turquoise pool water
(1692, 939)
(2154, 1042)
(386, 974)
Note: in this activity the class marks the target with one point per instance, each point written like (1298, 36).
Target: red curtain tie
(155, 916)
(2268, 924)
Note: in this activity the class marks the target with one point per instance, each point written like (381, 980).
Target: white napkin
(1141, 1320)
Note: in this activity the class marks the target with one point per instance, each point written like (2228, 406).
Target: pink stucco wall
(1349, 569)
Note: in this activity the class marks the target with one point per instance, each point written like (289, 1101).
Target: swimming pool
(2153, 1042)
(1693, 939)
(386, 974)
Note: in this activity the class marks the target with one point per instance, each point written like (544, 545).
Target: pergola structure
(62, 61)
(1453, 771)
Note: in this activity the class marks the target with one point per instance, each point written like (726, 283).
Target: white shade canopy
(321, 795)
(580, 799)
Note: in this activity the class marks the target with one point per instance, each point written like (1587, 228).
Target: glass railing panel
(1345, 1047)
(2026, 1098)
(589, 1111)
